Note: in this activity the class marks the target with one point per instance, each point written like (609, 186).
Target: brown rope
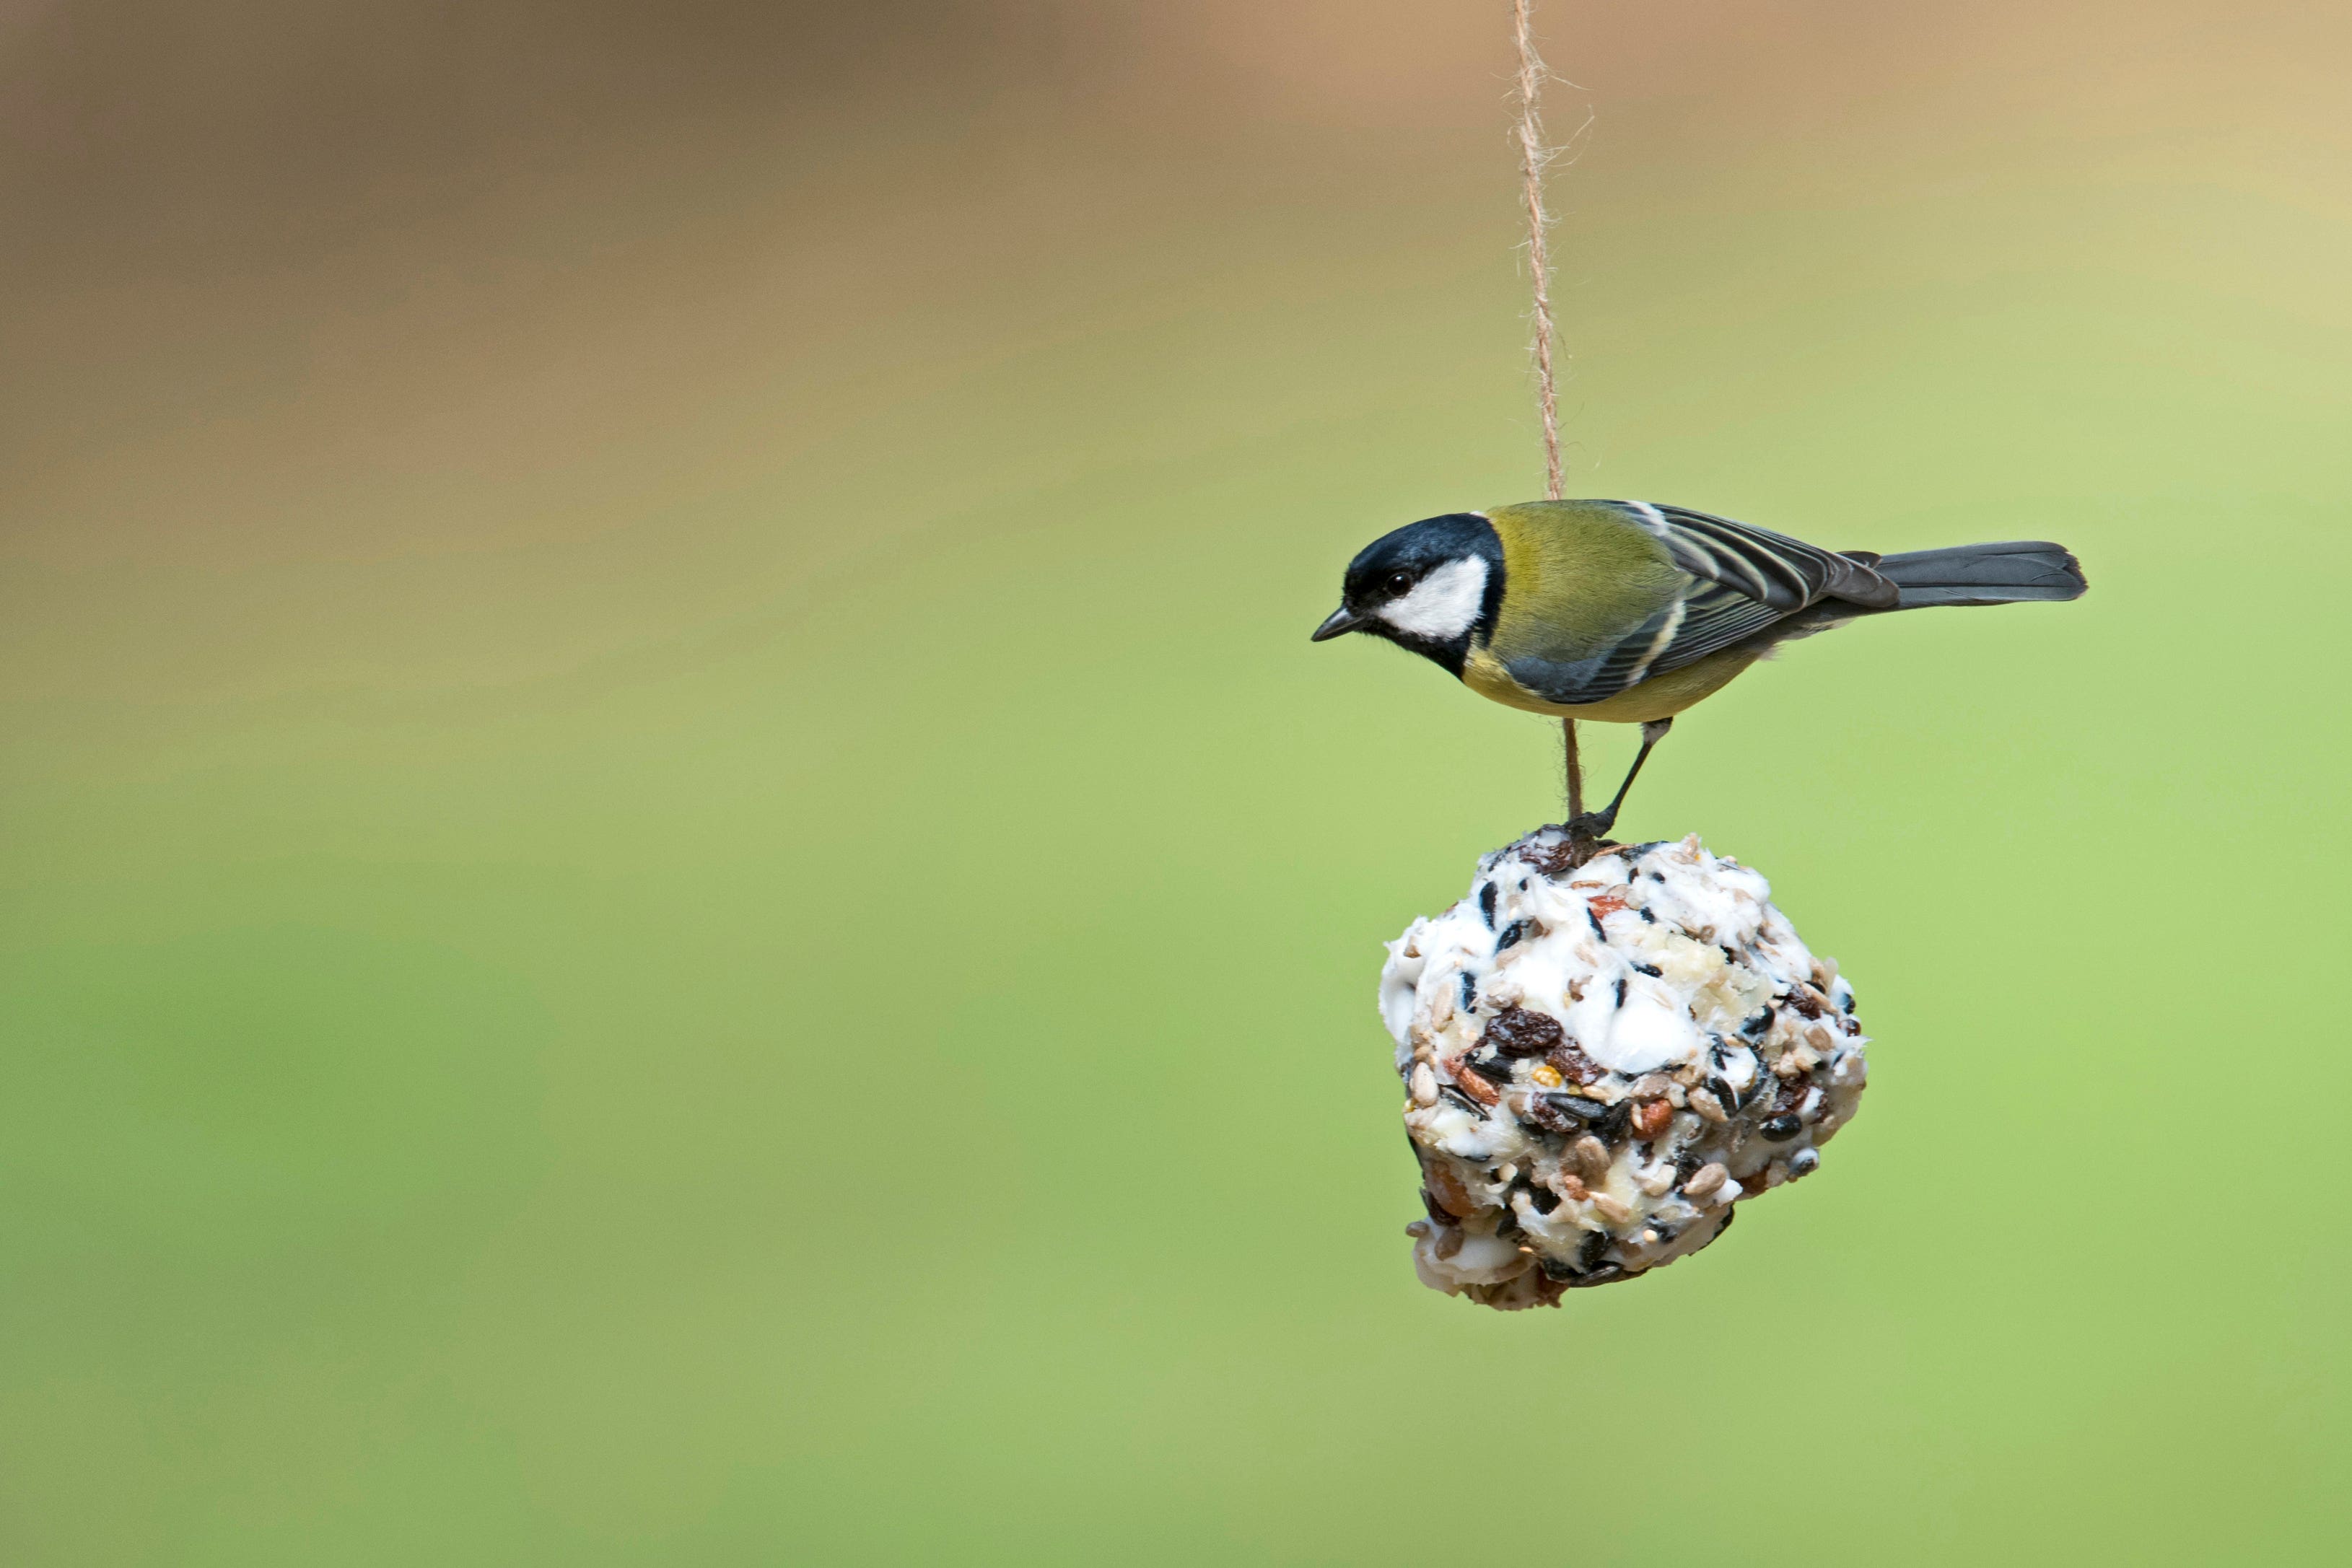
(1534, 157)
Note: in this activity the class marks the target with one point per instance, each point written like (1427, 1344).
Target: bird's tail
(2014, 573)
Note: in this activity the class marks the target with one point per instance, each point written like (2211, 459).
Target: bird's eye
(1399, 583)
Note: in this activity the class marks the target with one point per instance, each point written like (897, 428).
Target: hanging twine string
(1534, 158)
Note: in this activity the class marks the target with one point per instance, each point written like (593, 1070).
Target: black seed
(1429, 1203)
(1657, 876)
(1721, 1089)
(1589, 1251)
(1715, 1052)
(1486, 905)
(1595, 921)
(1607, 1275)
(1469, 991)
(1754, 1027)
(1494, 1069)
(1729, 956)
(1543, 1199)
(1851, 1002)
(1576, 1105)
(1650, 969)
(1686, 1165)
(1450, 1092)
(1620, 990)
(1781, 1128)
(1511, 935)
(1556, 1267)
(1510, 1224)
(1648, 917)
(1611, 1124)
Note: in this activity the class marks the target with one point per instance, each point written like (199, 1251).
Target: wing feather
(1737, 580)
(1785, 573)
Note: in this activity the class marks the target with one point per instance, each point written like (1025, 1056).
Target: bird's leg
(1597, 824)
(1571, 769)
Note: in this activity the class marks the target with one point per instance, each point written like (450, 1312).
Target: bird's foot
(1593, 826)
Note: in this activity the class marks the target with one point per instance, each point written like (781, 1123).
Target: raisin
(1573, 1064)
(1519, 1031)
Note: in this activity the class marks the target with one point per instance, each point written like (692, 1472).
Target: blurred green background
(678, 887)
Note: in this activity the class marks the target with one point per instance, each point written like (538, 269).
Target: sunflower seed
(1592, 1157)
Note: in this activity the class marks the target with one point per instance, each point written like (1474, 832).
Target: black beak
(1341, 619)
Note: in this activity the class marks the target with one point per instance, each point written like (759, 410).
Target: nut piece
(1659, 1182)
(1709, 1108)
(1570, 1186)
(1707, 1178)
(1475, 1087)
(1592, 1159)
(1445, 1189)
(1425, 1084)
(1612, 1209)
(1651, 1117)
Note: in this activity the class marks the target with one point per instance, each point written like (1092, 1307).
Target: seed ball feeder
(1606, 1050)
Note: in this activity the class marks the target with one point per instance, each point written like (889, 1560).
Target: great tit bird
(1630, 612)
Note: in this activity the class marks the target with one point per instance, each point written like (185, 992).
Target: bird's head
(1431, 586)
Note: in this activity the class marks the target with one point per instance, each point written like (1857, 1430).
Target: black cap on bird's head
(1429, 587)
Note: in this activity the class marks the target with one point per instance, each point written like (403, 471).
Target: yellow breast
(1661, 697)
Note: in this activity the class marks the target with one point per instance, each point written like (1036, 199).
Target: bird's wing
(1773, 569)
(1623, 591)
(1699, 619)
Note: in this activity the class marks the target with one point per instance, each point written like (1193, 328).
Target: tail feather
(2019, 572)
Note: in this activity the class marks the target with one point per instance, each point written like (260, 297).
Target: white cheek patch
(1440, 606)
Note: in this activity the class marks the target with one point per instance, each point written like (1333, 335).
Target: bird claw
(1592, 826)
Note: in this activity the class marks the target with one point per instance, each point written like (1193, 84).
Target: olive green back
(1579, 576)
